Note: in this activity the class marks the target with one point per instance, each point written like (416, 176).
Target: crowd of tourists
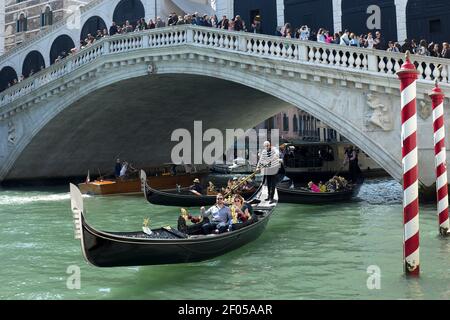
(369, 41)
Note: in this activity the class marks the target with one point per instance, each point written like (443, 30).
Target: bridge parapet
(339, 58)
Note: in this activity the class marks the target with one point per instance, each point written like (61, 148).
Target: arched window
(61, 47)
(295, 123)
(285, 122)
(34, 62)
(131, 10)
(22, 23)
(7, 77)
(47, 17)
(92, 26)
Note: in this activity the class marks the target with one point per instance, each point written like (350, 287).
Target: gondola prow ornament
(145, 227)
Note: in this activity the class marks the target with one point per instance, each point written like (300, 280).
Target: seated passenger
(211, 188)
(196, 188)
(322, 187)
(313, 187)
(195, 228)
(244, 210)
(219, 217)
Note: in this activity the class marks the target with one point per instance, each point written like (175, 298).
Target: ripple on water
(19, 200)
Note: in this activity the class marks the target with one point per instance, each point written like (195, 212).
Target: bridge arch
(33, 62)
(275, 95)
(91, 26)
(131, 10)
(61, 46)
(7, 75)
(426, 21)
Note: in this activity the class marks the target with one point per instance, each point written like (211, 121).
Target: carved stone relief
(379, 116)
(424, 109)
(11, 133)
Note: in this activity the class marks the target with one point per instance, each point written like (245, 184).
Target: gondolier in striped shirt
(269, 165)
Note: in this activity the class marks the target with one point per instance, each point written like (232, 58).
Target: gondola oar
(241, 182)
(339, 170)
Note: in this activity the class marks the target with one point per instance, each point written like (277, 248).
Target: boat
(163, 245)
(289, 194)
(317, 160)
(239, 166)
(182, 197)
(161, 180)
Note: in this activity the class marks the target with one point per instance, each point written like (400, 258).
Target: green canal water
(306, 252)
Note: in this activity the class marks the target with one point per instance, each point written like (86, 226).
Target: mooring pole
(440, 159)
(408, 75)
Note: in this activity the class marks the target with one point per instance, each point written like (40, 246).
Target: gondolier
(351, 156)
(269, 165)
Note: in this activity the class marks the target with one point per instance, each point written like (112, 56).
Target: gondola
(163, 245)
(296, 195)
(180, 198)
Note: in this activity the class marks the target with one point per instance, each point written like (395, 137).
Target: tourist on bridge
(223, 24)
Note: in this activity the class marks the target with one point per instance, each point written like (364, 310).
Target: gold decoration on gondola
(184, 214)
(146, 222)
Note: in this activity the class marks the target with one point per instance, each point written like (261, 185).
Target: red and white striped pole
(437, 97)
(408, 76)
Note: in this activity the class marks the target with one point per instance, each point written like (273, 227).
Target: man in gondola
(196, 188)
(219, 216)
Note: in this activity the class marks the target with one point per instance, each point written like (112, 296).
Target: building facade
(2, 27)
(23, 19)
(296, 125)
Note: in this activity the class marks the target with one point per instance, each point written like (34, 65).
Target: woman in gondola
(241, 212)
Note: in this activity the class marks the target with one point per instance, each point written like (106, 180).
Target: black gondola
(163, 245)
(296, 195)
(180, 198)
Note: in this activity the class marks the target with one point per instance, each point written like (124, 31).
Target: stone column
(337, 15)
(400, 8)
(224, 7)
(2, 27)
(152, 8)
(280, 13)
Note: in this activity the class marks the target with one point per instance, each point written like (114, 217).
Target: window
(47, 17)
(22, 23)
(285, 123)
(435, 26)
(295, 123)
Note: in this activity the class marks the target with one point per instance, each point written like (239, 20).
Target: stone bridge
(125, 94)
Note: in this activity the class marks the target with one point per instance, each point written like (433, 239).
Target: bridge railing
(269, 47)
